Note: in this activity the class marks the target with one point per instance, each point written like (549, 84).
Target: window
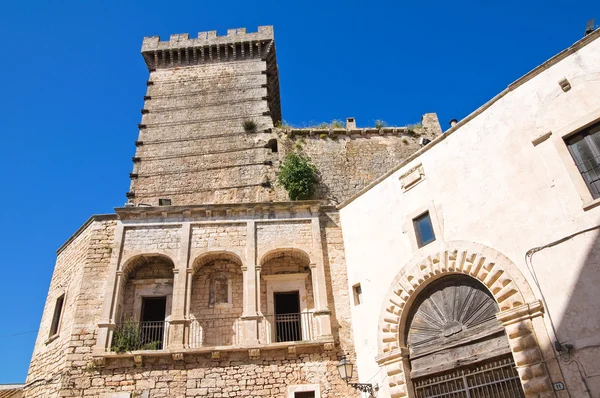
(272, 144)
(304, 391)
(584, 147)
(304, 394)
(356, 289)
(57, 313)
(424, 229)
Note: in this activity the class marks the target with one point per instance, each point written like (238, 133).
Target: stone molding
(504, 282)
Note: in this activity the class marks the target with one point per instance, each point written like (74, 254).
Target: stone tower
(210, 282)
(209, 102)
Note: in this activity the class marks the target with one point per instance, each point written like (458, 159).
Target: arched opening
(455, 343)
(286, 294)
(216, 300)
(144, 307)
(272, 144)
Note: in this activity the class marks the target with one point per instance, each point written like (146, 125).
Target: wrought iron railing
(287, 327)
(214, 331)
(495, 379)
(133, 336)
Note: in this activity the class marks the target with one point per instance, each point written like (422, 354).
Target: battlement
(180, 50)
(182, 40)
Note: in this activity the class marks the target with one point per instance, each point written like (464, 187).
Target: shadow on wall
(576, 322)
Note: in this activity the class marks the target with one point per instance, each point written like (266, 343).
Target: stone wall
(199, 376)
(348, 161)
(79, 273)
(193, 147)
(232, 372)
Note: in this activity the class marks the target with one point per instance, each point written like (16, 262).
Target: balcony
(228, 331)
(287, 327)
(136, 336)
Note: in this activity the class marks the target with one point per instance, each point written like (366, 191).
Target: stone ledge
(325, 342)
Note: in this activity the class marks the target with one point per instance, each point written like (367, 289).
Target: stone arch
(144, 275)
(209, 256)
(504, 281)
(138, 260)
(292, 251)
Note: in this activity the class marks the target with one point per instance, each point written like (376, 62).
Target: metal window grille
(495, 379)
(585, 150)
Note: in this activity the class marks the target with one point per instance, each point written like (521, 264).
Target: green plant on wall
(298, 175)
(128, 337)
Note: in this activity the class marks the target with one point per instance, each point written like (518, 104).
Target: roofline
(511, 87)
(11, 385)
(95, 217)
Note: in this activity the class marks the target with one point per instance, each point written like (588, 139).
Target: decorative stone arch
(517, 303)
(293, 251)
(138, 259)
(206, 257)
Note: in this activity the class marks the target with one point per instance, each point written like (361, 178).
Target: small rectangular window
(304, 394)
(584, 147)
(356, 289)
(424, 229)
(57, 314)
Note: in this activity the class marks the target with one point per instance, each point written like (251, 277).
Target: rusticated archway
(505, 283)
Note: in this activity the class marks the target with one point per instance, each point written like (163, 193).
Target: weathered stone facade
(202, 91)
(222, 251)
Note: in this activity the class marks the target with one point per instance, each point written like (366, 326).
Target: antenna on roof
(589, 28)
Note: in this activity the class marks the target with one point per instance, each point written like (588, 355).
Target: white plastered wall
(488, 183)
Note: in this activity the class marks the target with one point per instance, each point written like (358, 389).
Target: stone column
(249, 318)
(106, 322)
(317, 269)
(178, 320)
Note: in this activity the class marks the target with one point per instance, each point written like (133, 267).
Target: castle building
(210, 281)
(467, 265)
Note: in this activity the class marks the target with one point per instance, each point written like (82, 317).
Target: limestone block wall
(218, 235)
(151, 239)
(79, 273)
(192, 146)
(233, 376)
(284, 234)
(349, 162)
(234, 372)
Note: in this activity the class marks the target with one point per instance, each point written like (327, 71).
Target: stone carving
(490, 268)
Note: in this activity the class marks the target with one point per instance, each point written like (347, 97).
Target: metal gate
(495, 379)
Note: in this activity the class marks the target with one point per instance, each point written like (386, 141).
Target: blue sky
(73, 82)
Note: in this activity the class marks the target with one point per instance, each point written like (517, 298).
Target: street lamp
(345, 367)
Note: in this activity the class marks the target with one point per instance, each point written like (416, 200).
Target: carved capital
(177, 356)
(291, 351)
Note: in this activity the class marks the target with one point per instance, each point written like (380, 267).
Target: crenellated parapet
(181, 50)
